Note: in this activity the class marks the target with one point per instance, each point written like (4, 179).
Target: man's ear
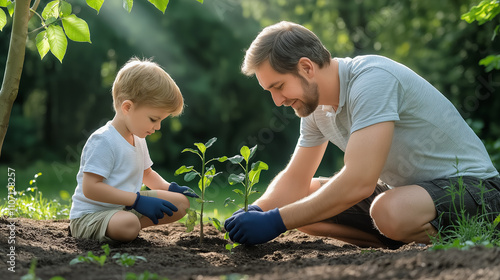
(126, 106)
(306, 67)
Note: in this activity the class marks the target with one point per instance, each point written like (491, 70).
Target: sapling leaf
(245, 152)
(238, 191)
(235, 179)
(190, 176)
(252, 151)
(222, 159)
(190, 150)
(183, 169)
(254, 174)
(217, 224)
(227, 201)
(236, 159)
(51, 10)
(210, 142)
(191, 219)
(201, 147)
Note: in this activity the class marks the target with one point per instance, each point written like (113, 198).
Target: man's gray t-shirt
(431, 140)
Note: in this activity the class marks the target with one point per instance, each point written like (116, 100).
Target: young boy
(107, 204)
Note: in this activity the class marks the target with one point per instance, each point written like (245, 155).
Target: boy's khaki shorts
(94, 225)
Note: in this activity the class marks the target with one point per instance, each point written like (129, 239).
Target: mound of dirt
(171, 252)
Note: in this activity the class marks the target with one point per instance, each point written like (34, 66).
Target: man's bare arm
(364, 159)
(293, 183)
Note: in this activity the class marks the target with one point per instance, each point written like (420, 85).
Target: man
(394, 128)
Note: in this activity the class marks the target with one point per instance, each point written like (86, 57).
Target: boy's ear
(126, 106)
(305, 67)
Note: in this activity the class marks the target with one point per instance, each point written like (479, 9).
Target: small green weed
(91, 258)
(124, 259)
(32, 275)
(30, 203)
(469, 231)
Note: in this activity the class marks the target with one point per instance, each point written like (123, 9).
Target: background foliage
(202, 47)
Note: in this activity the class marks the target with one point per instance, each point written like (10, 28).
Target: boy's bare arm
(94, 188)
(154, 181)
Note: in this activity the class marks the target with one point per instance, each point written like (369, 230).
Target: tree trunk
(14, 65)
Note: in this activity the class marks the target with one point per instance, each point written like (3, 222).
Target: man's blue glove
(152, 207)
(256, 227)
(182, 189)
(250, 208)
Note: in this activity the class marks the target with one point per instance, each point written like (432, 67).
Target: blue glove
(152, 207)
(182, 189)
(250, 208)
(256, 227)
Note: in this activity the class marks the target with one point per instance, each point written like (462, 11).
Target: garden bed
(171, 252)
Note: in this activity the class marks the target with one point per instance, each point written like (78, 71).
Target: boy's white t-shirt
(109, 155)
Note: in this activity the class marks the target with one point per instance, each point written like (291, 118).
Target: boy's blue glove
(250, 208)
(152, 207)
(182, 189)
(256, 227)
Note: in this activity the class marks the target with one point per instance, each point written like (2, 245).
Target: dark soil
(175, 254)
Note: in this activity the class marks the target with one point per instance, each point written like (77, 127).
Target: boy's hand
(153, 207)
(182, 189)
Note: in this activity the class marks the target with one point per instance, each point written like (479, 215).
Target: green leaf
(57, 41)
(127, 5)
(160, 4)
(217, 224)
(252, 151)
(3, 19)
(65, 8)
(76, 28)
(240, 192)
(190, 176)
(491, 62)
(236, 159)
(51, 10)
(95, 4)
(235, 179)
(183, 169)
(227, 201)
(245, 152)
(42, 43)
(222, 159)
(210, 142)
(254, 174)
(3, 3)
(201, 1)
(483, 12)
(10, 7)
(191, 151)
(201, 147)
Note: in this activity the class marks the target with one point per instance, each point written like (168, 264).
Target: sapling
(206, 176)
(249, 177)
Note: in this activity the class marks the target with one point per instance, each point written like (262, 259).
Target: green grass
(469, 231)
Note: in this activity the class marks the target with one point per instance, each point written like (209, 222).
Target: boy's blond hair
(145, 83)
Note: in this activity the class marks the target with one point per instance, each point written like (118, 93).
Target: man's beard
(310, 98)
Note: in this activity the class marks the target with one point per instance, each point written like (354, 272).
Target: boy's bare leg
(179, 200)
(125, 226)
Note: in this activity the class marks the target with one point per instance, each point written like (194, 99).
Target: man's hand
(153, 207)
(255, 227)
(182, 189)
(251, 207)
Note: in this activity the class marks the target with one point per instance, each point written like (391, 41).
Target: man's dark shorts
(480, 196)
(477, 197)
